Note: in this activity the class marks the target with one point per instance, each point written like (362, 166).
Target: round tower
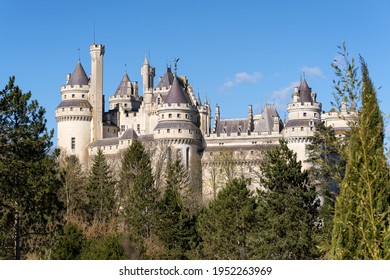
(74, 115)
(303, 113)
(177, 125)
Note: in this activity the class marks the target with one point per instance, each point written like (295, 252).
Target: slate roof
(125, 87)
(306, 122)
(75, 103)
(266, 122)
(167, 79)
(176, 94)
(232, 126)
(78, 77)
(176, 124)
(129, 134)
(304, 92)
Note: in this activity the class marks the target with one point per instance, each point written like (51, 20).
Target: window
(187, 116)
(162, 116)
(170, 116)
(72, 95)
(315, 115)
(179, 130)
(138, 127)
(178, 116)
(168, 130)
(304, 114)
(63, 109)
(293, 129)
(81, 108)
(83, 95)
(71, 108)
(159, 131)
(158, 100)
(122, 128)
(73, 143)
(65, 96)
(301, 128)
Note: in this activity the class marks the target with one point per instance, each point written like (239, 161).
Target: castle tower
(126, 95)
(176, 126)
(147, 73)
(74, 115)
(303, 113)
(96, 91)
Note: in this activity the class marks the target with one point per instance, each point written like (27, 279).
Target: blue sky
(235, 52)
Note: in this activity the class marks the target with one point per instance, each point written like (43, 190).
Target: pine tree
(287, 209)
(73, 192)
(29, 206)
(101, 190)
(139, 195)
(362, 217)
(225, 224)
(175, 226)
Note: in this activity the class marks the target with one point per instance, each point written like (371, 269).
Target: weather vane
(175, 60)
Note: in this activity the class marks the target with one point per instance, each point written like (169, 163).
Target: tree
(29, 206)
(73, 192)
(225, 224)
(139, 194)
(362, 220)
(70, 243)
(327, 168)
(287, 209)
(175, 226)
(101, 189)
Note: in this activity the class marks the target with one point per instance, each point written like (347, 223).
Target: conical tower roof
(125, 87)
(78, 77)
(176, 94)
(305, 92)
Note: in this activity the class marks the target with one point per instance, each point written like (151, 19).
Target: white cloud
(313, 71)
(284, 93)
(242, 78)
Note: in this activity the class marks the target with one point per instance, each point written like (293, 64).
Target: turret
(147, 73)
(303, 113)
(96, 90)
(250, 118)
(74, 115)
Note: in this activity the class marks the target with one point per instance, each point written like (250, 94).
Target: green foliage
(29, 206)
(69, 244)
(362, 220)
(73, 191)
(139, 194)
(225, 224)
(101, 190)
(175, 227)
(287, 209)
(106, 247)
(327, 168)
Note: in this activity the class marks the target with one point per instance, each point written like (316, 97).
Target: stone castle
(169, 115)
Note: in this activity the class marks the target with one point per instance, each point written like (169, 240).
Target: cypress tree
(100, 190)
(29, 181)
(226, 223)
(361, 222)
(287, 209)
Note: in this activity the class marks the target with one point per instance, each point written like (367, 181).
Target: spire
(146, 62)
(199, 100)
(176, 93)
(78, 77)
(125, 87)
(304, 92)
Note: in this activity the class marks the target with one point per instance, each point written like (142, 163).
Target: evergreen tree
(29, 206)
(225, 224)
(287, 209)
(70, 243)
(101, 190)
(73, 192)
(139, 195)
(327, 167)
(362, 220)
(175, 226)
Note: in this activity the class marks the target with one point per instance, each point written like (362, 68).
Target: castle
(169, 115)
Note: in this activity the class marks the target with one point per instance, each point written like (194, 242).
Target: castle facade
(168, 116)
